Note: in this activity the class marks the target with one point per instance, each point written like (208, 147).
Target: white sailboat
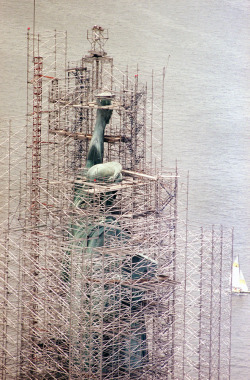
(238, 281)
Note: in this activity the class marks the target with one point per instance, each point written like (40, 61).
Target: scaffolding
(103, 280)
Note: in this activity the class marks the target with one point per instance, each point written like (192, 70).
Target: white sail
(238, 281)
(236, 275)
(243, 285)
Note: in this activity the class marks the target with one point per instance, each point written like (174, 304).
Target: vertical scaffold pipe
(36, 141)
(35, 203)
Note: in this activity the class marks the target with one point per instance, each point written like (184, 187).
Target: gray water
(204, 44)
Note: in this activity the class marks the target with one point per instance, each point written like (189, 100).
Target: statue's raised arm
(109, 171)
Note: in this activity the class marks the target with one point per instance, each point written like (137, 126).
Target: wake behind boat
(239, 285)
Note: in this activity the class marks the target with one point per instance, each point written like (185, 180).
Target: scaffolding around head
(135, 305)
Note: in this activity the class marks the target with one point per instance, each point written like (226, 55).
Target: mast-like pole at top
(34, 25)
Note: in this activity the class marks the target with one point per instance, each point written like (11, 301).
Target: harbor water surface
(204, 47)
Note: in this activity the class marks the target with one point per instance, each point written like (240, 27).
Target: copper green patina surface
(128, 351)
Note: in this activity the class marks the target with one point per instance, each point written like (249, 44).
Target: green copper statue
(128, 351)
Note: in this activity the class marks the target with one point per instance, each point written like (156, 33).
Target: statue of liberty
(103, 296)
